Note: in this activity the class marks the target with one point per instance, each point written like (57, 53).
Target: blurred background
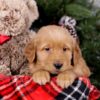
(87, 15)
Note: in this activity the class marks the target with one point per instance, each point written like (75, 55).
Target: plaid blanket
(23, 88)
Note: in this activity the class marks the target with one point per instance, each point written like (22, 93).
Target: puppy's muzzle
(58, 65)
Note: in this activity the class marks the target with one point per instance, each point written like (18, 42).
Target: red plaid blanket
(23, 88)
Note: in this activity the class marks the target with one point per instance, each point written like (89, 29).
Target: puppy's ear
(80, 67)
(30, 51)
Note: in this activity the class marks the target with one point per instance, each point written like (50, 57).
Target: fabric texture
(23, 88)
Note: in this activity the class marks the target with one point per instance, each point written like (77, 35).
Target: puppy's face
(53, 49)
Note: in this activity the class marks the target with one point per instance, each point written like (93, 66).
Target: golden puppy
(54, 51)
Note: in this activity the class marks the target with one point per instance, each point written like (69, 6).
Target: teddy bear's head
(16, 16)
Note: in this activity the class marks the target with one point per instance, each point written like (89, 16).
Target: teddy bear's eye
(4, 9)
(16, 10)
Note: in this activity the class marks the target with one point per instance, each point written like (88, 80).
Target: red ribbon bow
(4, 38)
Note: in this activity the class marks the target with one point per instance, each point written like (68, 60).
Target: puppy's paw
(41, 77)
(65, 79)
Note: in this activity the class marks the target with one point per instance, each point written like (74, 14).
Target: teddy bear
(16, 18)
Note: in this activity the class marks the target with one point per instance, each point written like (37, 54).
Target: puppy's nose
(58, 65)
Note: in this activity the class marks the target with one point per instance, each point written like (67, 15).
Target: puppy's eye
(64, 49)
(47, 49)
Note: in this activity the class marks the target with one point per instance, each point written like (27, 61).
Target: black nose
(58, 65)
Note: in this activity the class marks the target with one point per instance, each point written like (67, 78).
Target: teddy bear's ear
(33, 9)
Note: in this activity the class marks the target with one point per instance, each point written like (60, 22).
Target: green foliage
(77, 11)
(50, 5)
(51, 10)
(88, 27)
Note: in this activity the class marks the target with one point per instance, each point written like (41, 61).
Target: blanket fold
(23, 88)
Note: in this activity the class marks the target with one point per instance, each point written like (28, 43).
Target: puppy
(53, 50)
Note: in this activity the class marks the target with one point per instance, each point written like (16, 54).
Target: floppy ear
(80, 67)
(30, 51)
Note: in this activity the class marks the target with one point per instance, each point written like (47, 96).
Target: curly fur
(16, 17)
